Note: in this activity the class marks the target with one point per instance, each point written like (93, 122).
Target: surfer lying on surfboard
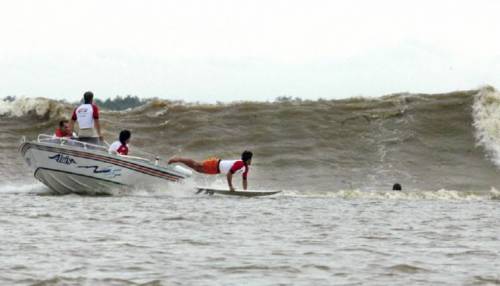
(215, 166)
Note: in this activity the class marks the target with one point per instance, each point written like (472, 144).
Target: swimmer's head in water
(396, 187)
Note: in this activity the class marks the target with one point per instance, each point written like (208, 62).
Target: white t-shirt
(226, 165)
(85, 115)
(233, 166)
(118, 147)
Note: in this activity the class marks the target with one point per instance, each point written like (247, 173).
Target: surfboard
(248, 193)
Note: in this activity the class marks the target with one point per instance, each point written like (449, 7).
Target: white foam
(438, 195)
(25, 105)
(17, 188)
(486, 120)
(494, 194)
(186, 188)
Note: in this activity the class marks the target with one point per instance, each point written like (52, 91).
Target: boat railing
(135, 158)
(144, 156)
(44, 138)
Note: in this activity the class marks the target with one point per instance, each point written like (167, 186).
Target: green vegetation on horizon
(121, 103)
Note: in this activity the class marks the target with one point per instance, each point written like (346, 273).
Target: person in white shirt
(121, 146)
(87, 116)
(215, 166)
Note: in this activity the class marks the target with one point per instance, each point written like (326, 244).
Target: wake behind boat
(70, 166)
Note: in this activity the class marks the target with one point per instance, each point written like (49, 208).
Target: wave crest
(38, 107)
(486, 120)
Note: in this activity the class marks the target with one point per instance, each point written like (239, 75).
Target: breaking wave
(37, 107)
(486, 114)
(445, 141)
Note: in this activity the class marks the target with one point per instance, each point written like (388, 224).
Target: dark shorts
(91, 140)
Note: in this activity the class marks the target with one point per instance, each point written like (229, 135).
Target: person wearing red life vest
(63, 129)
(87, 116)
(121, 146)
(215, 166)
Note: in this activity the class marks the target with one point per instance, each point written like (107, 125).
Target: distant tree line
(121, 103)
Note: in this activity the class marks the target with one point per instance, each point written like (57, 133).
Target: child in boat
(121, 146)
(217, 166)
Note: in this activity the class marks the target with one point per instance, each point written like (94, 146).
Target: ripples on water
(178, 238)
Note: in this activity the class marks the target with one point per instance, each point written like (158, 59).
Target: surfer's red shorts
(211, 166)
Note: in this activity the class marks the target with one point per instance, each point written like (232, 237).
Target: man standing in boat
(87, 116)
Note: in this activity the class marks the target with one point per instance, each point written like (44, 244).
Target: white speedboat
(70, 166)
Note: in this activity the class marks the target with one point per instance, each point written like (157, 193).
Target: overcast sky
(246, 50)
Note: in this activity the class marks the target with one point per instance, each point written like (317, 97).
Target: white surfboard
(247, 193)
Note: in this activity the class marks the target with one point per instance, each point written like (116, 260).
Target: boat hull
(68, 169)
